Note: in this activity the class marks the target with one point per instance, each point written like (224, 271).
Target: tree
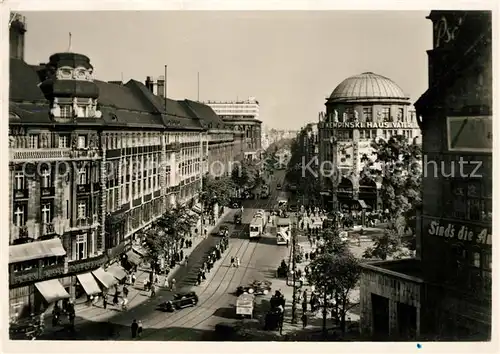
(245, 174)
(397, 166)
(216, 191)
(335, 273)
(171, 227)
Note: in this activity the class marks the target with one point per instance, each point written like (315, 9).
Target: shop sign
(468, 233)
(371, 125)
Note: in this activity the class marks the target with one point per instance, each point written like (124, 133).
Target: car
(257, 287)
(223, 231)
(235, 203)
(180, 301)
(278, 186)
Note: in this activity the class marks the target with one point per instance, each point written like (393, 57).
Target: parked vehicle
(180, 301)
(278, 186)
(235, 203)
(257, 287)
(245, 305)
(237, 217)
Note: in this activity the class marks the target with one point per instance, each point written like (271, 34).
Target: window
(468, 203)
(368, 114)
(33, 141)
(66, 111)
(20, 215)
(386, 114)
(46, 180)
(19, 180)
(46, 213)
(63, 141)
(82, 141)
(82, 176)
(82, 210)
(81, 246)
(401, 114)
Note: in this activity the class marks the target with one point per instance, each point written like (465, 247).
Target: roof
(366, 87)
(131, 105)
(203, 112)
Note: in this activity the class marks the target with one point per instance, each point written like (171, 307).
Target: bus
(283, 231)
(258, 224)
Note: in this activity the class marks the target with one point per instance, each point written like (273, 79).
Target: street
(259, 260)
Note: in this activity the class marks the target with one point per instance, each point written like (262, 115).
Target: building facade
(91, 165)
(445, 294)
(361, 108)
(243, 117)
(308, 140)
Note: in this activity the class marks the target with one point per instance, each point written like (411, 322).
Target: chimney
(160, 87)
(149, 84)
(16, 31)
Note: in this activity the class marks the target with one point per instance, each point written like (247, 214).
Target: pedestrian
(166, 283)
(304, 305)
(304, 320)
(139, 329)
(198, 279)
(306, 256)
(104, 301)
(204, 275)
(206, 232)
(153, 290)
(181, 255)
(172, 284)
(237, 262)
(134, 327)
(232, 261)
(125, 291)
(115, 299)
(146, 282)
(157, 280)
(287, 242)
(124, 304)
(133, 278)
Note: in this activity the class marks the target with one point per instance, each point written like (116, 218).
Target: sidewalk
(137, 295)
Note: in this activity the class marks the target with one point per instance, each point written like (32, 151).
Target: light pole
(294, 269)
(335, 176)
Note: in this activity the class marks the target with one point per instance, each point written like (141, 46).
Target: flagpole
(69, 45)
(198, 87)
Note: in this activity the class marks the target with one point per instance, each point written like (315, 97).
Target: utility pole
(294, 268)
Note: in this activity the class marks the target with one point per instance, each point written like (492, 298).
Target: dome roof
(367, 87)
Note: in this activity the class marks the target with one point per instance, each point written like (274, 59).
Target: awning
(36, 250)
(140, 251)
(197, 208)
(134, 258)
(52, 290)
(88, 283)
(117, 271)
(363, 204)
(105, 278)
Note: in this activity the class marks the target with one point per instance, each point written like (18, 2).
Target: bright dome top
(368, 87)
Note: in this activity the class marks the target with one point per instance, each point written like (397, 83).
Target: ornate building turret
(70, 88)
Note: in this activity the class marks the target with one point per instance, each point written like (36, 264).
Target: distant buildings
(361, 108)
(243, 116)
(446, 292)
(92, 165)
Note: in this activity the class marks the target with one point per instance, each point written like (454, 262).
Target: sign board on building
(372, 125)
(468, 233)
(472, 134)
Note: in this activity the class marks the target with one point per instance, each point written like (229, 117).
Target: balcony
(88, 154)
(83, 222)
(87, 264)
(22, 231)
(83, 188)
(36, 274)
(48, 229)
(47, 192)
(21, 193)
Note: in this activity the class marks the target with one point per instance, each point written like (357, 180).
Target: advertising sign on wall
(458, 231)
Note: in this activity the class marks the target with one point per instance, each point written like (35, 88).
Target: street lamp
(294, 268)
(335, 176)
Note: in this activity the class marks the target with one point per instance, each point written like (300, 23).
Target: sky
(289, 60)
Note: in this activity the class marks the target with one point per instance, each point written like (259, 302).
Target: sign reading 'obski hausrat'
(474, 234)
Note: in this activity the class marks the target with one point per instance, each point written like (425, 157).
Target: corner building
(361, 108)
(445, 293)
(91, 165)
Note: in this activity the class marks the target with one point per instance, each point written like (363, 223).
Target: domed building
(361, 108)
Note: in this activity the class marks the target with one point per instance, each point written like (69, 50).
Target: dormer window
(65, 73)
(66, 111)
(81, 74)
